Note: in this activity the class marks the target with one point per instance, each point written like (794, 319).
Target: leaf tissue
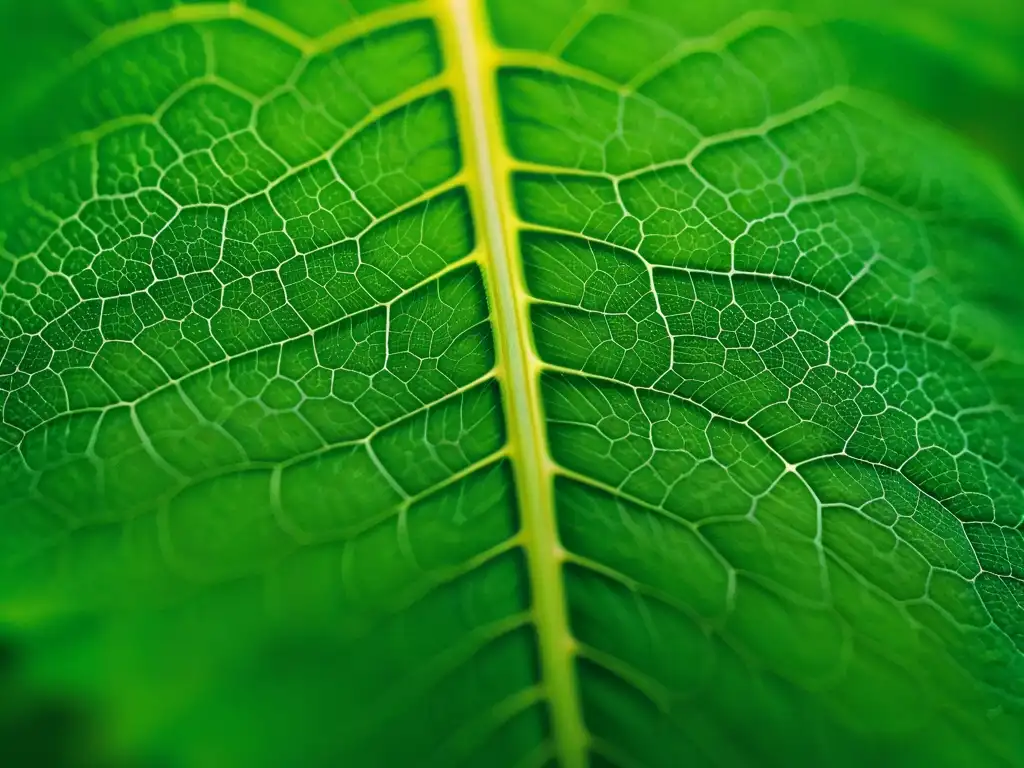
(524, 383)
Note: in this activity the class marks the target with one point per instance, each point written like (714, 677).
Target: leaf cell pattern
(610, 389)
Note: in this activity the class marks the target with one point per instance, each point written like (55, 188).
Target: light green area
(258, 496)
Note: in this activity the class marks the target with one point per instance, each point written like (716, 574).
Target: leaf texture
(523, 383)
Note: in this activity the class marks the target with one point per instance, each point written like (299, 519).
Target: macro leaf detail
(513, 383)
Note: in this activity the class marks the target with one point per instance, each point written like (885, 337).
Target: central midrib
(468, 48)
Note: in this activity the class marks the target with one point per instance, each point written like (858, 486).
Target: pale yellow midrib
(469, 50)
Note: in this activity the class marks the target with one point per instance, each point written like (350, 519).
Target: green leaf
(529, 383)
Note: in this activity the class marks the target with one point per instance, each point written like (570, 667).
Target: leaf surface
(530, 383)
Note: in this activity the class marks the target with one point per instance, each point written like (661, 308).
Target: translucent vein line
(198, 13)
(466, 46)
